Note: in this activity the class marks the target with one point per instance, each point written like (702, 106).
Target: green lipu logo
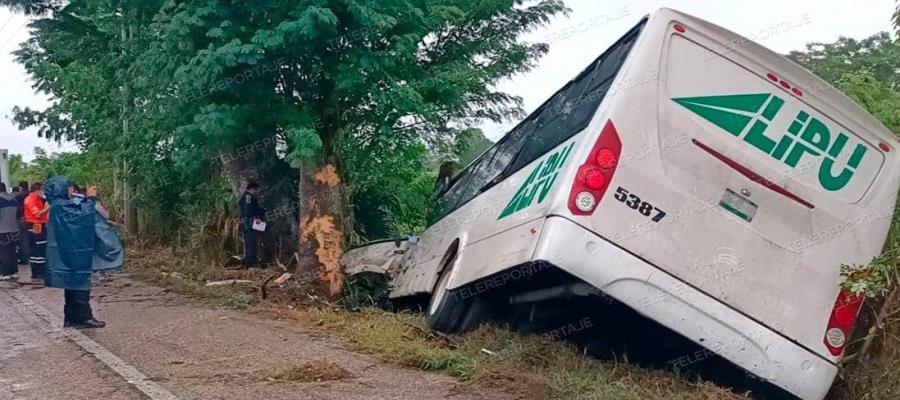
(748, 117)
(538, 183)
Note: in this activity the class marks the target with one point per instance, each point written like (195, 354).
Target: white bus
(693, 175)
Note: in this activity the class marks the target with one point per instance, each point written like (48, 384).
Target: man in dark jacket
(9, 234)
(251, 213)
(71, 241)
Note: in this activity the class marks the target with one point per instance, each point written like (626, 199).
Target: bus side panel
(550, 143)
(498, 223)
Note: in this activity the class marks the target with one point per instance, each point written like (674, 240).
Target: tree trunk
(259, 162)
(321, 225)
(886, 309)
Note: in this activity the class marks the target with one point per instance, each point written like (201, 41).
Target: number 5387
(634, 202)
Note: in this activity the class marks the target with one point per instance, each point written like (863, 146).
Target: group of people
(63, 232)
(62, 223)
(23, 239)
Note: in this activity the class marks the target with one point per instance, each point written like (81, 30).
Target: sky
(15, 89)
(575, 40)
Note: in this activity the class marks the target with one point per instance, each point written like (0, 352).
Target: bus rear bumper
(682, 308)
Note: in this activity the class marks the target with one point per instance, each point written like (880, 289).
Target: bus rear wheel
(446, 310)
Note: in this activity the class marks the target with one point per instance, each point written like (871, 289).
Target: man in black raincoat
(77, 237)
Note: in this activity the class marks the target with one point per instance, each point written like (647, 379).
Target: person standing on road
(9, 234)
(36, 215)
(24, 239)
(251, 213)
(71, 236)
(17, 247)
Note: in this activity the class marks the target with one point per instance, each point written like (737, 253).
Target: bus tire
(445, 309)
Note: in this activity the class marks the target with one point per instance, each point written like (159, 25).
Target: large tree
(316, 98)
(897, 18)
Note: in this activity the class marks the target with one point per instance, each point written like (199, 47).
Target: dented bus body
(702, 180)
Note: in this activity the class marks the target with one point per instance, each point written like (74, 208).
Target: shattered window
(571, 109)
(566, 113)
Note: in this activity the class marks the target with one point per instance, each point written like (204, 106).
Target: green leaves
(875, 96)
(874, 280)
(306, 146)
(877, 55)
(379, 85)
(897, 18)
(316, 21)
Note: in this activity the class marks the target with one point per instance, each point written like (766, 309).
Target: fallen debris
(234, 262)
(229, 282)
(283, 278)
(262, 287)
(316, 371)
(177, 275)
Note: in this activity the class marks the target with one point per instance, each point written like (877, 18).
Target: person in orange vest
(37, 213)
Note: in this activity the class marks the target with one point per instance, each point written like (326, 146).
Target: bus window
(506, 152)
(566, 113)
(477, 177)
(459, 192)
(449, 198)
(571, 109)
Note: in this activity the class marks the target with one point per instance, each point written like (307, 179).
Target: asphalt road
(36, 362)
(159, 345)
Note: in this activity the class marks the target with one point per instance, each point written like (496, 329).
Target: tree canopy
(285, 92)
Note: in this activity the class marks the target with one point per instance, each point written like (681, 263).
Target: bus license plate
(738, 205)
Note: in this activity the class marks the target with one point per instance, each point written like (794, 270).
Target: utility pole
(130, 214)
(4, 168)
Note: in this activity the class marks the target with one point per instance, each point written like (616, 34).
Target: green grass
(530, 366)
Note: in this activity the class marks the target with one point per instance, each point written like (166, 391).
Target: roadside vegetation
(533, 367)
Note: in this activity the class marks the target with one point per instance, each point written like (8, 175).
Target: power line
(13, 36)
(5, 23)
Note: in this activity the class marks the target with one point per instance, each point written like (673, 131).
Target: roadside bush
(364, 290)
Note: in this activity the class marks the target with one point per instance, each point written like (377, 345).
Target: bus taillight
(594, 179)
(606, 158)
(595, 174)
(843, 318)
